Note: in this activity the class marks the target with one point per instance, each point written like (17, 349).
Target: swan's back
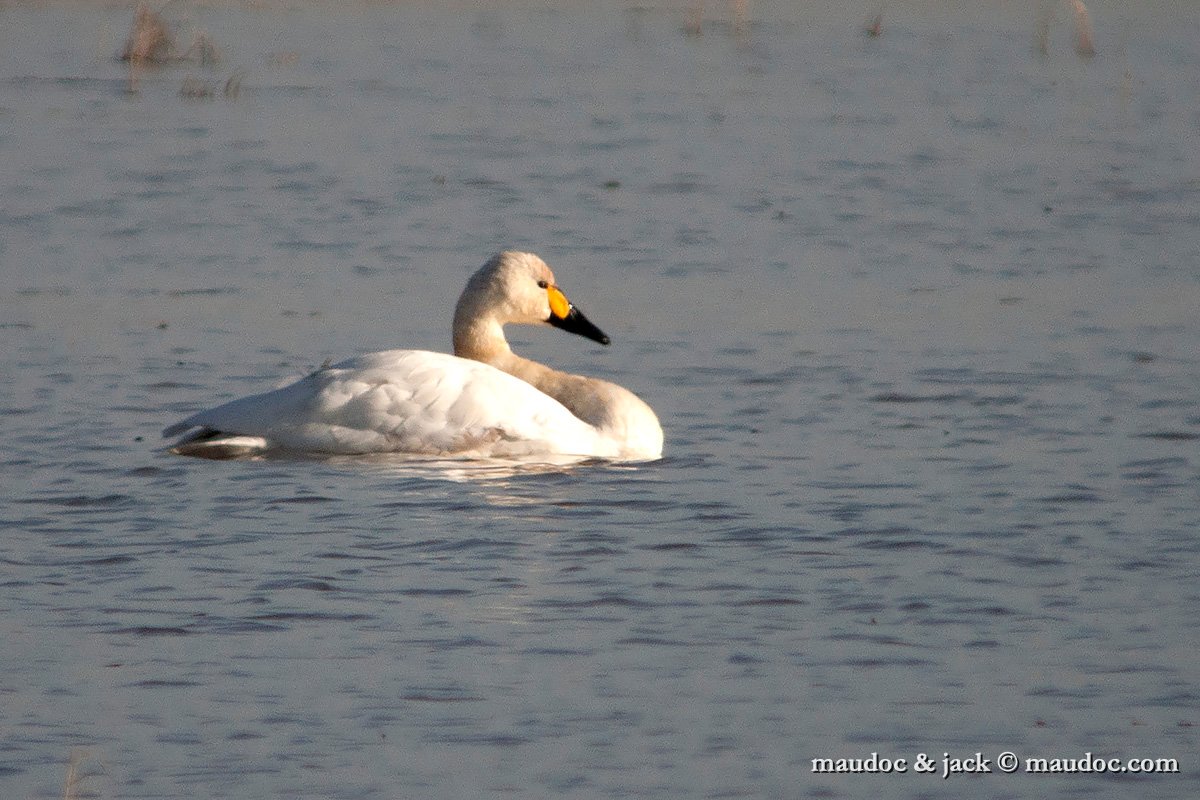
(410, 401)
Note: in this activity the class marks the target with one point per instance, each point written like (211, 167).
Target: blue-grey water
(920, 314)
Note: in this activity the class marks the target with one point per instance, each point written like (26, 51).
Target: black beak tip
(575, 322)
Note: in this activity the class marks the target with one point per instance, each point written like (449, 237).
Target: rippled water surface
(918, 312)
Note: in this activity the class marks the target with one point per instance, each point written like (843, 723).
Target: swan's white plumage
(421, 402)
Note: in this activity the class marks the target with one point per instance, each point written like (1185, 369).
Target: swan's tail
(209, 443)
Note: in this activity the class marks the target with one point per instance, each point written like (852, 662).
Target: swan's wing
(409, 401)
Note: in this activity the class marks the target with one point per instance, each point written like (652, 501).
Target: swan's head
(519, 287)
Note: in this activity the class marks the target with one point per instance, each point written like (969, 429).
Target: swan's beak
(567, 317)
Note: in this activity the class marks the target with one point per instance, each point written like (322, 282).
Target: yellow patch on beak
(559, 306)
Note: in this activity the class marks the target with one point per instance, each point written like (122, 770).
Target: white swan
(483, 401)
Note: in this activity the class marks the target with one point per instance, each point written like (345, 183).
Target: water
(918, 313)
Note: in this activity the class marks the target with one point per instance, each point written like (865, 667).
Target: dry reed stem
(71, 781)
(149, 43)
(202, 50)
(76, 775)
(150, 40)
(1084, 44)
(1042, 35)
(233, 86)
(741, 18)
(874, 27)
(693, 23)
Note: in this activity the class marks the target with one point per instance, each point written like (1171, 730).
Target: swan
(484, 401)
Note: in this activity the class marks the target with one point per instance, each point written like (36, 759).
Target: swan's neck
(482, 339)
(577, 393)
(615, 412)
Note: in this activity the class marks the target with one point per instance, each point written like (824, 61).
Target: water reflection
(484, 472)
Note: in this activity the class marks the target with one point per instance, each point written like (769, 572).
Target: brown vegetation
(150, 40)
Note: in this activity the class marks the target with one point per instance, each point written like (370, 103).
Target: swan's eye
(543, 285)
